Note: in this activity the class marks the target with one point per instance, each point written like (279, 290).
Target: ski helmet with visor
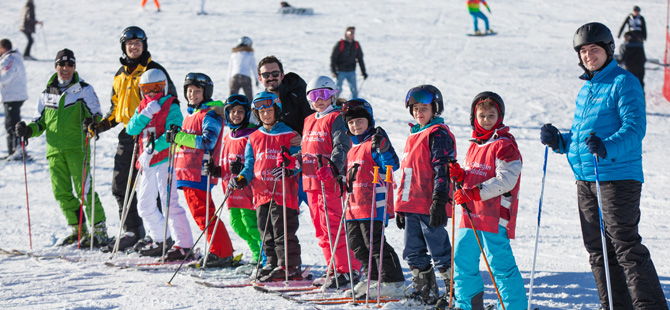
(425, 94)
(266, 99)
(153, 80)
(130, 33)
(321, 87)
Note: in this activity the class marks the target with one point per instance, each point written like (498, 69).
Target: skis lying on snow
(215, 281)
(71, 258)
(145, 263)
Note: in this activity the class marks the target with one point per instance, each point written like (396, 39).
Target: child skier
(269, 169)
(371, 148)
(490, 190)
(156, 113)
(324, 138)
(473, 8)
(200, 143)
(422, 204)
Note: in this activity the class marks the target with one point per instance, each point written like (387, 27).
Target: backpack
(342, 45)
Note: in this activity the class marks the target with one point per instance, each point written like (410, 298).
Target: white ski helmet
(154, 76)
(245, 41)
(320, 82)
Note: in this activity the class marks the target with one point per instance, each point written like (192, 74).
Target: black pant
(241, 81)
(635, 284)
(30, 43)
(122, 164)
(12, 116)
(359, 243)
(273, 239)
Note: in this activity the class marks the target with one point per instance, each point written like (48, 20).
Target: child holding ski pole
(423, 203)
(157, 112)
(199, 142)
(490, 179)
(324, 138)
(269, 169)
(370, 148)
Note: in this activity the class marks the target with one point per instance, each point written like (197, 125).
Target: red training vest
(266, 147)
(317, 139)
(189, 161)
(233, 148)
(156, 125)
(360, 200)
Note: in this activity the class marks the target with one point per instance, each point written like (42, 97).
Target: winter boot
(155, 249)
(342, 280)
(73, 238)
(263, 272)
(176, 254)
(279, 274)
(214, 261)
(425, 286)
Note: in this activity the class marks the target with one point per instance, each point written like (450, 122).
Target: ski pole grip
(375, 175)
(355, 167)
(389, 174)
(319, 162)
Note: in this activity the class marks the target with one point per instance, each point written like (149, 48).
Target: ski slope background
(530, 63)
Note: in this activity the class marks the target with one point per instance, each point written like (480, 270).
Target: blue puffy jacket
(612, 106)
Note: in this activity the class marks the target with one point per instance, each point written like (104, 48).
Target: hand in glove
(171, 134)
(145, 158)
(236, 166)
(277, 172)
(324, 174)
(212, 170)
(596, 146)
(22, 130)
(88, 122)
(152, 108)
(237, 183)
(285, 159)
(365, 76)
(456, 172)
(466, 195)
(549, 136)
(400, 220)
(380, 142)
(438, 210)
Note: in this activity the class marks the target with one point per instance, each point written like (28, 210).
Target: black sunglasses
(266, 75)
(69, 63)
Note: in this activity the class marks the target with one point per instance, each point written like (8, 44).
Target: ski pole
(83, 187)
(44, 36)
(332, 246)
(283, 193)
(453, 244)
(267, 220)
(199, 237)
(537, 231)
(125, 208)
(92, 201)
(211, 237)
(168, 195)
(25, 178)
(124, 213)
(602, 231)
(361, 87)
(388, 181)
(373, 208)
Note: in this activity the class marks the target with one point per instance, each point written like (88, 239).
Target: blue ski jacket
(611, 105)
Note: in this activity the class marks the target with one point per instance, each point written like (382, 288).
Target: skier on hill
(199, 141)
(157, 113)
(125, 100)
(324, 138)
(423, 202)
(370, 149)
(343, 58)
(636, 25)
(473, 8)
(609, 122)
(13, 92)
(241, 68)
(61, 110)
(631, 56)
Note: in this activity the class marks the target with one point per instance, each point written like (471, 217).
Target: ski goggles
(198, 77)
(321, 93)
(156, 87)
(237, 99)
(263, 103)
(275, 74)
(353, 105)
(418, 95)
(134, 33)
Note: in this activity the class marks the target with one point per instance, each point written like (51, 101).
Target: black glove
(596, 146)
(277, 172)
(380, 142)
(212, 170)
(87, 122)
(438, 210)
(236, 166)
(23, 131)
(400, 220)
(365, 76)
(237, 183)
(549, 136)
(97, 128)
(352, 177)
(171, 134)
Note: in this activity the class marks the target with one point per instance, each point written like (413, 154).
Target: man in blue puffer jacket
(610, 122)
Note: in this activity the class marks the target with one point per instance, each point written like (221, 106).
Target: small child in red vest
(156, 113)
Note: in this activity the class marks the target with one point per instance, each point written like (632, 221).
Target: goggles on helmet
(418, 95)
(133, 33)
(353, 105)
(239, 99)
(198, 77)
(156, 87)
(321, 93)
(263, 103)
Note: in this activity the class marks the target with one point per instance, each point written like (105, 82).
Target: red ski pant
(196, 200)
(316, 210)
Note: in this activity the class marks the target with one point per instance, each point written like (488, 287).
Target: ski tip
(169, 284)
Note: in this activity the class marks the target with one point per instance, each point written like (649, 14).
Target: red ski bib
(156, 127)
(189, 161)
(317, 139)
(360, 200)
(233, 148)
(267, 147)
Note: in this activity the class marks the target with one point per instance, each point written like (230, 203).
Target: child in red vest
(154, 116)
(324, 135)
(268, 168)
(490, 190)
(370, 148)
(199, 143)
(422, 204)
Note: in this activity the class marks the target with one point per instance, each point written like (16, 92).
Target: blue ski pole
(602, 231)
(537, 231)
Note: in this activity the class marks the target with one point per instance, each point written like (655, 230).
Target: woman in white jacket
(242, 67)
(13, 90)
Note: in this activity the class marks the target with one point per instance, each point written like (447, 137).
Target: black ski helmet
(483, 96)
(436, 101)
(130, 33)
(202, 80)
(235, 100)
(594, 33)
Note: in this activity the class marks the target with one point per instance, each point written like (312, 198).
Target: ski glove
(145, 158)
(23, 131)
(365, 76)
(324, 174)
(171, 134)
(238, 183)
(277, 172)
(152, 108)
(438, 210)
(287, 160)
(549, 136)
(236, 166)
(466, 195)
(380, 142)
(456, 172)
(596, 146)
(212, 170)
(400, 220)
(96, 128)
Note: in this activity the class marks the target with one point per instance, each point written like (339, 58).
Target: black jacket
(631, 21)
(344, 57)
(293, 97)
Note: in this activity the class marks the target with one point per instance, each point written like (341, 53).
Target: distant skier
(28, 23)
(636, 24)
(346, 53)
(241, 68)
(158, 5)
(632, 57)
(13, 92)
(473, 8)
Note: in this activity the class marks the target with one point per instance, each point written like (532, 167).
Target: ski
(298, 284)
(349, 300)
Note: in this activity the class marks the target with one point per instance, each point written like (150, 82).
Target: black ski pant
(273, 236)
(12, 116)
(123, 163)
(29, 36)
(241, 81)
(359, 243)
(635, 284)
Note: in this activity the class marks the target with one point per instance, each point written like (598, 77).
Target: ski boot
(425, 286)
(176, 254)
(214, 261)
(73, 238)
(155, 249)
(341, 280)
(100, 237)
(279, 274)
(263, 272)
(443, 301)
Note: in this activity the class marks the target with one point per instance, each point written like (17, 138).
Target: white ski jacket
(242, 63)
(12, 77)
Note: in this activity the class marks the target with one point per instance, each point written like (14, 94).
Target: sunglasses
(321, 93)
(352, 105)
(418, 95)
(198, 77)
(263, 103)
(157, 87)
(68, 63)
(266, 75)
(239, 99)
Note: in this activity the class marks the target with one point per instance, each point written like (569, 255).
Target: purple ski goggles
(321, 93)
